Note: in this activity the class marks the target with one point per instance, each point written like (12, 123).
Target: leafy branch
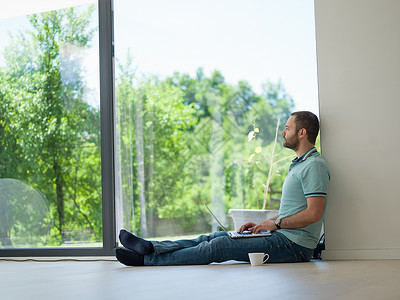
(274, 165)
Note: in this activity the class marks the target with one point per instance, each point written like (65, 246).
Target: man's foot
(129, 257)
(135, 243)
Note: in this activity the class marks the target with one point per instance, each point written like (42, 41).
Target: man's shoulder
(316, 159)
(315, 162)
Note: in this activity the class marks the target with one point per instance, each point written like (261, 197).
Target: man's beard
(292, 143)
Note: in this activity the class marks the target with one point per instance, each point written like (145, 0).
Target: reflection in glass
(24, 215)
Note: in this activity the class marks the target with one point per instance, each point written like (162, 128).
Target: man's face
(290, 138)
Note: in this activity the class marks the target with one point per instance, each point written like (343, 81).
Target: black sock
(129, 257)
(135, 243)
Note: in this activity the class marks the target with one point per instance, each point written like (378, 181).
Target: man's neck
(303, 149)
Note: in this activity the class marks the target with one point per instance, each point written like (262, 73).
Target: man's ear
(302, 133)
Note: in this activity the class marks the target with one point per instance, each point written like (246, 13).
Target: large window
(190, 117)
(50, 160)
(200, 88)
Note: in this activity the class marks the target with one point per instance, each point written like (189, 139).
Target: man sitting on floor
(295, 232)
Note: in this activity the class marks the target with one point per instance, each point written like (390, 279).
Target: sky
(252, 40)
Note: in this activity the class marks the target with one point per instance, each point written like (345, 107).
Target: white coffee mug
(258, 259)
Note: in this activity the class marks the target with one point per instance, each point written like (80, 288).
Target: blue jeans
(219, 247)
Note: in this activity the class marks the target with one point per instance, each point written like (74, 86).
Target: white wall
(358, 52)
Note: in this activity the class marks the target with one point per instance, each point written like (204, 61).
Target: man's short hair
(308, 121)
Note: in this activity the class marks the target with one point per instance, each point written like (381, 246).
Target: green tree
(153, 121)
(56, 133)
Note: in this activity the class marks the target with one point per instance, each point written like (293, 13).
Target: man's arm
(313, 213)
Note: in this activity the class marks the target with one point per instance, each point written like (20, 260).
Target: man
(295, 232)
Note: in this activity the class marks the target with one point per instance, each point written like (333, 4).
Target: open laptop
(235, 235)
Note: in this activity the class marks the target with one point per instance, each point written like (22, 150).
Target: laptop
(235, 235)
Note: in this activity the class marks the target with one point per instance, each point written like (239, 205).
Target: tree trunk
(60, 198)
(5, 239)
(140, 163)
(217, 173)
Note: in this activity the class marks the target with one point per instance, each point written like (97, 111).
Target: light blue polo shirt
(308, 176)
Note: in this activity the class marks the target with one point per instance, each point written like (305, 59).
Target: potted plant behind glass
(256, 161)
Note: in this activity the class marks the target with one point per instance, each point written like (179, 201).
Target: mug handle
(266, 259)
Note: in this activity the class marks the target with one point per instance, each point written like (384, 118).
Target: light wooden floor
(111, 280)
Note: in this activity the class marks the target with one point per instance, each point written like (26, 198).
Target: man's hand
(264, 225)
(256, 228)
(246, 227)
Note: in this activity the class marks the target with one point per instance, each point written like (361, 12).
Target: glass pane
(50, 169)
(203, 91)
